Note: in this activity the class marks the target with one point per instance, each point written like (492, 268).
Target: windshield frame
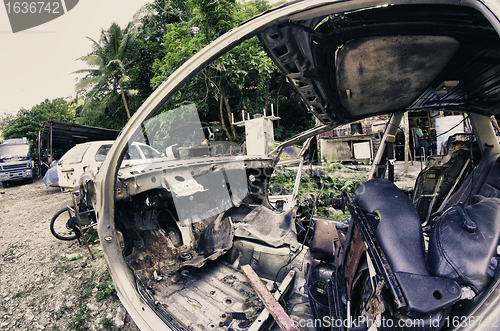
(75, 155)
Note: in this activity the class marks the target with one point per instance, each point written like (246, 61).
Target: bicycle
(72, 222)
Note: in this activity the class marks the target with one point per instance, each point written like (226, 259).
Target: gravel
(39, 288)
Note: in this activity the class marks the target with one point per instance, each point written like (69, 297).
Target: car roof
(97, 142)
(348, 64)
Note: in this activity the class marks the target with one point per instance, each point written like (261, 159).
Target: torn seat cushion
(399, 231)
(462, 245)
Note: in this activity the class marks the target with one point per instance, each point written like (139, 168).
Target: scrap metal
(272, 305)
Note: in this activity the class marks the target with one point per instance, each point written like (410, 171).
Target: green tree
(148, 46)
(107, 112)
(215, 17)
(229, 83)
(27, 123)
(5, 121)
(109, 62)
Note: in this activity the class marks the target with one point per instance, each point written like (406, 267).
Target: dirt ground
(39, 288)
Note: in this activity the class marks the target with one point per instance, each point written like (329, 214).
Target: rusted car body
(177, 232)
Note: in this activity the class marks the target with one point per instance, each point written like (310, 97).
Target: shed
(64, 135)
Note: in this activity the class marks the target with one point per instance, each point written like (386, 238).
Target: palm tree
(110, 62)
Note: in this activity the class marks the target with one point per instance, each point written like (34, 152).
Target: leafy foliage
(230, 83)
(106, 112)
(317, 189)
(125, 65)
(215, 17)
(27, 123)
(109, 62)
(148, 44)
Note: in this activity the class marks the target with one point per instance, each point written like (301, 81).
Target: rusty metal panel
(355, 250)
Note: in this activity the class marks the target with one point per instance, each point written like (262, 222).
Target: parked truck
(15, 161)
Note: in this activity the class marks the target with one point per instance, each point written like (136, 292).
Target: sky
(38, 63)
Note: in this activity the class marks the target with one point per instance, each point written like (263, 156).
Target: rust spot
(154, 252)
(355, 250)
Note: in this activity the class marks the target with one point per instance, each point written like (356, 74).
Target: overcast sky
(37, 64)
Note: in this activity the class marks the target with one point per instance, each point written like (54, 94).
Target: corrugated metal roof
(66, 135)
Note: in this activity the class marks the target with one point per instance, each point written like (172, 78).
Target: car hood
(352, 60)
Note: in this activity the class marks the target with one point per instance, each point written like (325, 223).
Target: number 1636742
(35, 7)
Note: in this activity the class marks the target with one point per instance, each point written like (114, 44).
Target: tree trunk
(123, 97)
(221, 107)
(228, 109)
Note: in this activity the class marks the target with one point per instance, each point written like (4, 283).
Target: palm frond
(93, 72)
(110, 62)
(125, 43)
(82, 84)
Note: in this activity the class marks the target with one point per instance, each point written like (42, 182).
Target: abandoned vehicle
(194, 242)
(87, 157)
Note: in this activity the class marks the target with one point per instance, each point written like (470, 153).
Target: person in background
(424, 140)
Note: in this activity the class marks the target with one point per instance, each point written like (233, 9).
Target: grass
(101, 287)
(104, 285)
(105, 290)
(19, 294)
(87, 292)
(92, 237)
(79, 323)
(107, 324)
(323, 187)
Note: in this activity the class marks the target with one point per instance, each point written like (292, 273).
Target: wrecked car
(87, 157)
(193, 241)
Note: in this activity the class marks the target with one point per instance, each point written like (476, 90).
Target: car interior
(184, 234)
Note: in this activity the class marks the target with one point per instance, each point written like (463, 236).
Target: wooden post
(406, 125)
